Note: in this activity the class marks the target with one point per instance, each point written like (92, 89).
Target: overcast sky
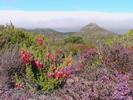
(67, 20)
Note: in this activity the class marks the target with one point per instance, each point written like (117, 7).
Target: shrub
(45, 68)
(117, 57)
(89, 58)
(74, 39)
(10, 64)
(9, 36)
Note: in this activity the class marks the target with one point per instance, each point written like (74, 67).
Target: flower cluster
(25, 56)
(58, 65)
(39, 65)
(60, 73)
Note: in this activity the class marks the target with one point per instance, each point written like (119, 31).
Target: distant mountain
(46, 31)
(89, 32)
(92, 30)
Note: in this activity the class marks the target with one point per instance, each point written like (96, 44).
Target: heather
(33, 66)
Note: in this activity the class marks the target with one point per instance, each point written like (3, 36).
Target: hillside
(92, 33)
(50, 33)
(92, 30)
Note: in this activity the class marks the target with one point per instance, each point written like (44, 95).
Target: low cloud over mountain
(68, 21)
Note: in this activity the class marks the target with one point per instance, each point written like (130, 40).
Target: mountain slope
(50, 33)
(92, 33)
(93, 28)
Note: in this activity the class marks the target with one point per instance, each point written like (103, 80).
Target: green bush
(74, 39)
(10, 36)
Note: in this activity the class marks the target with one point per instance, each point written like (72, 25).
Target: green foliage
(46, 84)
(74, 39)
(10, 36)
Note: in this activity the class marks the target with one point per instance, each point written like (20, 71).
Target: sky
(68, 15)
(68, 5)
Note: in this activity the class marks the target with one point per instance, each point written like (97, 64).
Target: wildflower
(58, 74)
(40, 40)
(50, 75)
(39, 65)
(63, 73)
(25, 56)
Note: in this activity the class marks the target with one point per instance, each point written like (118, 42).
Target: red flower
(40, 40)
(62, 73)
(58, 74)
(39, 65)
(25, 56)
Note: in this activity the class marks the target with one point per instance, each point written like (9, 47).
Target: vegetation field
(43, 64)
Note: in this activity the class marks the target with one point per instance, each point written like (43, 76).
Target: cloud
(67, 20)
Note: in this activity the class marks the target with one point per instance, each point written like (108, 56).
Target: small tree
(74, 39)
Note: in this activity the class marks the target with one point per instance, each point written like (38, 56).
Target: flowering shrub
(45, 67)
(88, 57)
(113, 86)
(117, 57)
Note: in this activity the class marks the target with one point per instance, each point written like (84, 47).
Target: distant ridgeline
(90, 34)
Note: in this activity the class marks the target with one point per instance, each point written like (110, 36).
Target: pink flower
(39, 65)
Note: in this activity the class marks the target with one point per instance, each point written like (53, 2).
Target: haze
(67, 21)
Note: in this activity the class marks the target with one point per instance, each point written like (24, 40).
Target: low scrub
(74, 39)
